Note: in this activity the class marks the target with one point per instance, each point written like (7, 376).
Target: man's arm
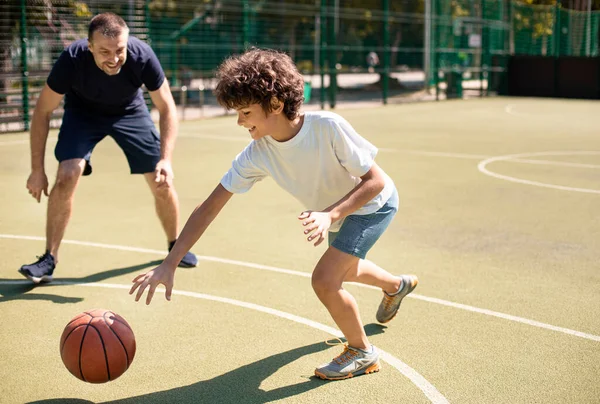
(48, 101)
(163, 101)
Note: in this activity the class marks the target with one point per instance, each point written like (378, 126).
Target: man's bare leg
(60, 202)
(166, 203)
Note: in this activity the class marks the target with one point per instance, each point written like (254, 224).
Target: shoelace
(41, 258)
(346, 355)
(388, 301)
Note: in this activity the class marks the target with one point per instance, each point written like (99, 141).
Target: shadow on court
(19, 291)
(239, 385)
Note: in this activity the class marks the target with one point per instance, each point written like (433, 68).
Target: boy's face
(258, 122)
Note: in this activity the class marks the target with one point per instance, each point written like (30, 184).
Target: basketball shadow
(239, 385)
(19, 291)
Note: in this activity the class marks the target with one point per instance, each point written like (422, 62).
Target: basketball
(97, 346)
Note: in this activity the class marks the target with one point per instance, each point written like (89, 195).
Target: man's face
(109, 54)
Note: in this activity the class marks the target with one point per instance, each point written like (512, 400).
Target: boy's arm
(198, 222)
(195, 226)
(373, 182)
(317, 223)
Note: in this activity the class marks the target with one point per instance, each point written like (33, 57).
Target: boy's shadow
(239, 385)
(19, 291)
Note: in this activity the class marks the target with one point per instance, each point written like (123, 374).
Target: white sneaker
(388, 308)
(352, 362)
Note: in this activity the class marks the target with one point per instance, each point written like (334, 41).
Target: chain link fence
(385, 51)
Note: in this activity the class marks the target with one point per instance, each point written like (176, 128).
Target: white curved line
(555, 163)
(419, 381)
(509, 109)
(435, 300)
(482, 168)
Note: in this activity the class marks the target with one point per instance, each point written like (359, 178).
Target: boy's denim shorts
(360, 232)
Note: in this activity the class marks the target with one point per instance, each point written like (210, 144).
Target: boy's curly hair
(257, 77)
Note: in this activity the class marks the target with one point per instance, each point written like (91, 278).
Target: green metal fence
(348, 50)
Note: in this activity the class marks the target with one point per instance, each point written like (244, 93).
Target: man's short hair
(257, 77)
(109, 25)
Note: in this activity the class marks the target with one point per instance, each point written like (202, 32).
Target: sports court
(499, 217)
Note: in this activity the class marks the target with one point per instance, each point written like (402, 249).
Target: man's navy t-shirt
(89, 89)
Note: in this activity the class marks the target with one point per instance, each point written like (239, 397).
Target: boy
(326, 165)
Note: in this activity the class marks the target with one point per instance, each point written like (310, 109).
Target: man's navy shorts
(135, 134)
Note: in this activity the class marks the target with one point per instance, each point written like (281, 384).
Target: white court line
(554, 163)
(218, 137)
(383, 149)
(510, 109)
(419, 381)
(482, 168)
(435, 154)
(447, 303)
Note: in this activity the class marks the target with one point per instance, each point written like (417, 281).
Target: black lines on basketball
(97, 346)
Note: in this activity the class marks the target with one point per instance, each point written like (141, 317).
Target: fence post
(484, 48)
(148, 21)
(24, 71)
(557, 29)
(322, 48)
(246, 25)
(386, 50)
(435, 22)
(332, 53)
(427, 45)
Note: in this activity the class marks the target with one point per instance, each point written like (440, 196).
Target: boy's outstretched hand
(317, 225)
(161, 274)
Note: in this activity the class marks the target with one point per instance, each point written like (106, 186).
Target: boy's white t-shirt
(318, 166)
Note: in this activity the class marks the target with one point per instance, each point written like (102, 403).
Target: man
(101, 80)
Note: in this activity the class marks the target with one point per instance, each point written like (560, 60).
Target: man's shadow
(19, 291)
(239, 385)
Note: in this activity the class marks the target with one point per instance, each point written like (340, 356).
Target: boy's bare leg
(167, 206)
(60, 202)
(327, 279)
(369, 273)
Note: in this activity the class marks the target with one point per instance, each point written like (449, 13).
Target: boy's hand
(160, 274)
(316, 225)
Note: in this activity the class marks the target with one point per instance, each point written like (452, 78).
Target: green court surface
(499, 217)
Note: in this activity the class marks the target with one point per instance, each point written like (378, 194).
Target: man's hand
(162, 274)
(316, 225)
(37, 183)
(164, 174)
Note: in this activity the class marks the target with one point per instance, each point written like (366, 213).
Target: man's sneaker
(352, 362)
(41, 270)
(188, 261)
(391, 303)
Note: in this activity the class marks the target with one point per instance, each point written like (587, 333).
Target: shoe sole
(35, 279)
(413, 286)
(371, 369)
(184, 265)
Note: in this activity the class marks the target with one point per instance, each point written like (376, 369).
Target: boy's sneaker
(41, 270)
(391, 303)
(188, 261)
(351, 362)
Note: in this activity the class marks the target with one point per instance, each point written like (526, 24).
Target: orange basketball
(97, 346)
